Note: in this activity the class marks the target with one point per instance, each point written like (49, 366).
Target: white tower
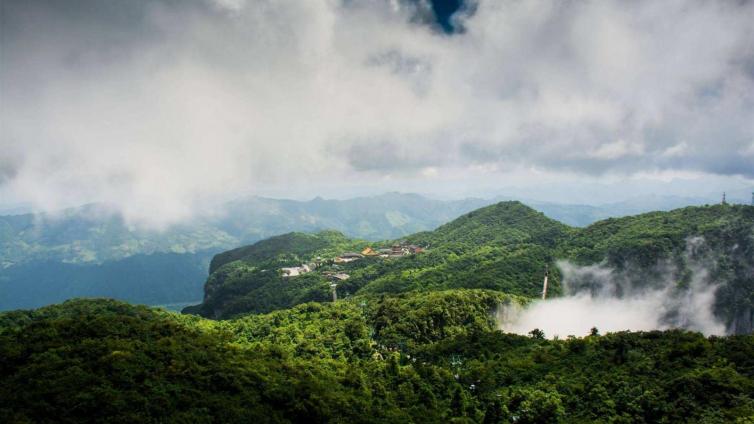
(544, 284)
(334, 292)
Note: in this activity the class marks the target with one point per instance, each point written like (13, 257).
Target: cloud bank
(157, 107)
(630, 299)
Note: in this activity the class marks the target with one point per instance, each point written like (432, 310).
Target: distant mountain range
(46, 258)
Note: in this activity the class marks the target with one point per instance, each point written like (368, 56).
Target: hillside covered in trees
(503, 247)
(414, 337)
(418, 357)
(92, 251)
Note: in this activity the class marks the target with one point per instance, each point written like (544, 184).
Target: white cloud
(230, 5)
(160, 107)
(601, 297)
(749, 150)
(617, 150)
(676, 150)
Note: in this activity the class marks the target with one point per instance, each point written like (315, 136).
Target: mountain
(87, 240)
(50, 257)
(502, 223)
(415, 357)
(581, 215)
(92, 234)
(502, 247)
(386, 216)
(295, 245)
(505, 247)
(412, 338)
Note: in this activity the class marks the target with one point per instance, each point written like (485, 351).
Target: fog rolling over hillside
(604, 298)
(627, 296)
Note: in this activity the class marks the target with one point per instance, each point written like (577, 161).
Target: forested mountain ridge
(296, 246)
(408, 341)
(94, 233)
(413, 357)
(86, 240)
(506, 247)
(658, 233)
(716, 240)
(496, 247)
(506, 222)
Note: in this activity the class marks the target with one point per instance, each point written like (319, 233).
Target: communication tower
(334, 292)
(544, 284)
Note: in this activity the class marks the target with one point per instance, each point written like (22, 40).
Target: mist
(611, 300)
(162, 108)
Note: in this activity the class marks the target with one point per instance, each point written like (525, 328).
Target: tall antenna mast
(544, 285)
(724, 203)
(752, 198)
(334, 292)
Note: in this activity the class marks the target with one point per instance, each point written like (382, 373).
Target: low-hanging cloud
(157, 107)
(598, 296)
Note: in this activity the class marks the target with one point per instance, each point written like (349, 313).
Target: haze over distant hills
(86, 248)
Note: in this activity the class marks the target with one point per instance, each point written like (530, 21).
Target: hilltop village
(397, 250)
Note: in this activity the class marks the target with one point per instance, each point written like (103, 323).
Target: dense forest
(419, 357)
(503, 247)
(412, 338)
(582, 250)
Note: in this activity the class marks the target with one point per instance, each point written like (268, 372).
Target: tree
(537, 334)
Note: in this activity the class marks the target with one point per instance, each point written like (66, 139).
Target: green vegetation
(421, 357)
(91, 248)
(288, 249)
(413, 339)
(503, 247)
(503, 223)
(248, 278)
(646, 237)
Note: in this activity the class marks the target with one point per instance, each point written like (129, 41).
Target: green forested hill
(86, 241)
(502, 223)
(419, 357)
(648, 236)
(92, 241)
(248, 278)
(504, 247)
(291, 247)
(501, 247)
